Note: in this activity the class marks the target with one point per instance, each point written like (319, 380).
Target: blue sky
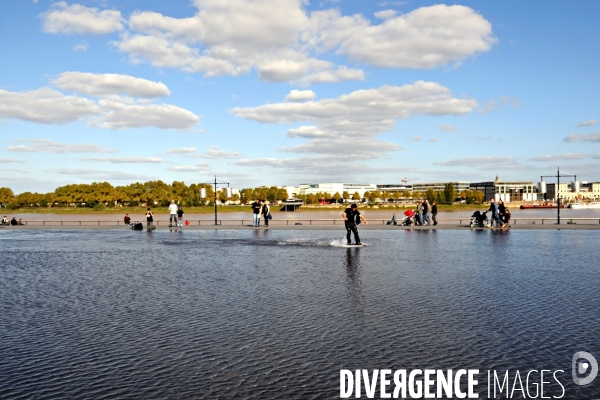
(281, 92)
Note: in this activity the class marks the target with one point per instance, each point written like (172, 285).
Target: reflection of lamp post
(215, 183)
(557, 190)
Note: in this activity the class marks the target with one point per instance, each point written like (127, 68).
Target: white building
(333, 188)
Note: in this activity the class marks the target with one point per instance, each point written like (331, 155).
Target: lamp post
(215, 183)
(558, 176)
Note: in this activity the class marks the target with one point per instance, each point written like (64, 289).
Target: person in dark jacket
(149, 219)
(256, 206)
(434, 212)
(351, 219)
(14, 221)
(495, 215)
(501, 209)
(265, 212)
(127, 219)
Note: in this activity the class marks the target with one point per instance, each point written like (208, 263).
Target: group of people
(175, 217)
(261, 208)
(13, 221)
(500, 214)
(426, 213)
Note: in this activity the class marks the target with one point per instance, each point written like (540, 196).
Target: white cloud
(427, 37)
(492, 104)
(47, 146)
(320, 167)
(46, 106)
(76, 18)
(126, 160)
(589, 122)
(280, 39)
(81, 46)
(386, 14)
(561, 157)
(199, 167)
(300, 95)
(215, 152)
(446, 128)
(351, 121)
(10, 160)
(119, 113)
(99, 175)
(416, 138)
(499, 162)
(578, 137)
(434, 139)
(183, 150)
(106, 84)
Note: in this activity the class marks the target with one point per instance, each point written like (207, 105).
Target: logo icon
(581, 367)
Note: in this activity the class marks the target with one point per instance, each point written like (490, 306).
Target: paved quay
(439, 227)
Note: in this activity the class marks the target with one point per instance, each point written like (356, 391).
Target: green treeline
(102, 194)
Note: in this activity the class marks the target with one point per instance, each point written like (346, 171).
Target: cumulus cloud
(199, 167)
(427, 37)
(386, 14)
(347, 125)
(446, 128)
(561, 157)
(118, 113)
(589, 122)
(10, 160)
(49, 106)
(321, 167)
(351, 121)
(182, 150)
(100, 175)
(81, 46)
(300, 95)
(500, 162)
(45, 105)
(107, 84)
(281, 41)
(578, 137)
(126, 160)
(216, 152)
(47, 146)
(76, 18)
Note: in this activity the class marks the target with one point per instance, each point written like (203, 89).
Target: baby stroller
(479, 219)
(409, 218)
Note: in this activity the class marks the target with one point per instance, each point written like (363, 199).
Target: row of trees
(273, 194)
(90, 195)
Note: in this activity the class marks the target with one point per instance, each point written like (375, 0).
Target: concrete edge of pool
(441, 227)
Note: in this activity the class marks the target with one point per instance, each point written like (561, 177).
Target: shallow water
(277, 314)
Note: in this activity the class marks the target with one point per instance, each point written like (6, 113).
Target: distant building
(395, 187)
(440, 186)
(333, 188)
(572, 191)
(508, 191)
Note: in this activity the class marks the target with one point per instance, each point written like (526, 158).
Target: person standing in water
(149, 219)
(351, 219)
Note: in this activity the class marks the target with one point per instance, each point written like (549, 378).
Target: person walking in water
(172, 213)
(434, 212)
(351, 219)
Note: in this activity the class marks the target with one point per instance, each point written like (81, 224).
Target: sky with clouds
(282, 92)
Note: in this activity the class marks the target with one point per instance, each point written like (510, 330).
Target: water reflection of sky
(261, 314)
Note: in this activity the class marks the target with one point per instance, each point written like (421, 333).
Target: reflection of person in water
(351, 219)
(353, 283)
